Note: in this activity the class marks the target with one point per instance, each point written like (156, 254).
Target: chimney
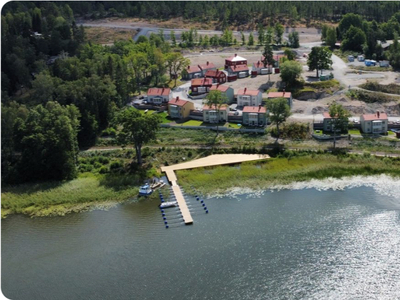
(259, 107)
(245, 89)
(283, 92)
(188, 67)
(177, 98)
(207, 63)
(377, 114)
(235, 54)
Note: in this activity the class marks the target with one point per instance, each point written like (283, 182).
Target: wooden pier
(212, 160)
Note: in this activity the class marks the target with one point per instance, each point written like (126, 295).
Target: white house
(248, 97)
(374, 123)
(212, 115)
(159, 95)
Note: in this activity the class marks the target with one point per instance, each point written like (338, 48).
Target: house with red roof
(159, 96)
(235, 60)
(201, 86)
(260, 69)
(179, 109)
(227, 91)
(191, 72)
(374, 123)
(327, 122)
(247, 97)
(254, 115)
(216, 75)
(241, 71)
(211, 114)
(207, 67)
(286, 95)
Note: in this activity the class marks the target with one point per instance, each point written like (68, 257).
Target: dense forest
(60, 92)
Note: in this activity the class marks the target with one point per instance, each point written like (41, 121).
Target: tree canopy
(319, 59)
(137, 128)
(278, 111)
(290, 71)
(340, 119)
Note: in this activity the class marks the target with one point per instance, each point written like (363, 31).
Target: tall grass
(59, 198)
(285, 170)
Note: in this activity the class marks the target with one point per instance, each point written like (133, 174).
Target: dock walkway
(212, 160)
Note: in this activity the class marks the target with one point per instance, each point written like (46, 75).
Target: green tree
(319, 59)
(331, 37)
(394, 53)
(348, 21)
(354, 39)
(216, 99)
(289, 54)
(278, 111)
(251, 39)
(290, 71)
(173, 38)
(294, 39)
(269, 35)
(243, 38)
(261, 33)
(278, 33)
(339, 119)
(268, 57)
(175, 64)
(324, 31)
(48, 142)
(137, 128)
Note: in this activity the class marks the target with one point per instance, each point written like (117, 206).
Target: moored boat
(168, 204)
(145, 190)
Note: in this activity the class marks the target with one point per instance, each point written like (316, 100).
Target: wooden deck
(212, 160)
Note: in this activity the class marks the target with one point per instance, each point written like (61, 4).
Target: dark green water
(301, 244)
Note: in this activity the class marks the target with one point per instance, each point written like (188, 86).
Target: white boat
(145, 190)
(168, 204)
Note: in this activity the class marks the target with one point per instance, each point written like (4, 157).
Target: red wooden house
(216, 75)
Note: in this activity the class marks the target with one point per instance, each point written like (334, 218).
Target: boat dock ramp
(212, 160)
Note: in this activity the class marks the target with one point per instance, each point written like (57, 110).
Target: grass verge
(284, 170)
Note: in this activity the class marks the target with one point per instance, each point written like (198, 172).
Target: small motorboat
(145, 190)
(168, 204)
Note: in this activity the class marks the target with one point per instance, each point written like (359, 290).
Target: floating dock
(212, 160)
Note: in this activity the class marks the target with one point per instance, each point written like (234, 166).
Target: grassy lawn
(192, 123)
(354, 131)
(318, 132)
(165, 118)
(234, 125)
(391, 133)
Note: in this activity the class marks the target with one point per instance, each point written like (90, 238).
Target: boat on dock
(168, 204)
(145, 190)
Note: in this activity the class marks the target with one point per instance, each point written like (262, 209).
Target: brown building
(201, 86)
(216, 75)
(179, 109)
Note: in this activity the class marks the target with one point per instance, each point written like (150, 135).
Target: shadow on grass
(30, 188)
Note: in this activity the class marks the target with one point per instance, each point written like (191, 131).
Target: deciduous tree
(278, 111)
(319, 59)
(137, 128)
(339, 119)
(290, 71)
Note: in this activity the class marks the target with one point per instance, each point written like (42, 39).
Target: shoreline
(293, 171)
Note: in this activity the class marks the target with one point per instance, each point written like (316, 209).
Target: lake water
(303, 244)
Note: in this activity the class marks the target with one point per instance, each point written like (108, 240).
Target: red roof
(279, 95)
(260, 64)
(207, 65)
(201, 81)
(254, 109)
(223, 107)
(371, 117)
(213, 73)
(219, 87)
(158, 92)
(246, 91)
(178, 102)
(239, 68)
(193, 69)
(326, 115)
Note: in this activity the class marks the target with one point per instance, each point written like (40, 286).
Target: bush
(116, 165)
(97, 165)
(103, 160)
(297, 131)
(109, 132)
(85, 168)
(103, 170)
